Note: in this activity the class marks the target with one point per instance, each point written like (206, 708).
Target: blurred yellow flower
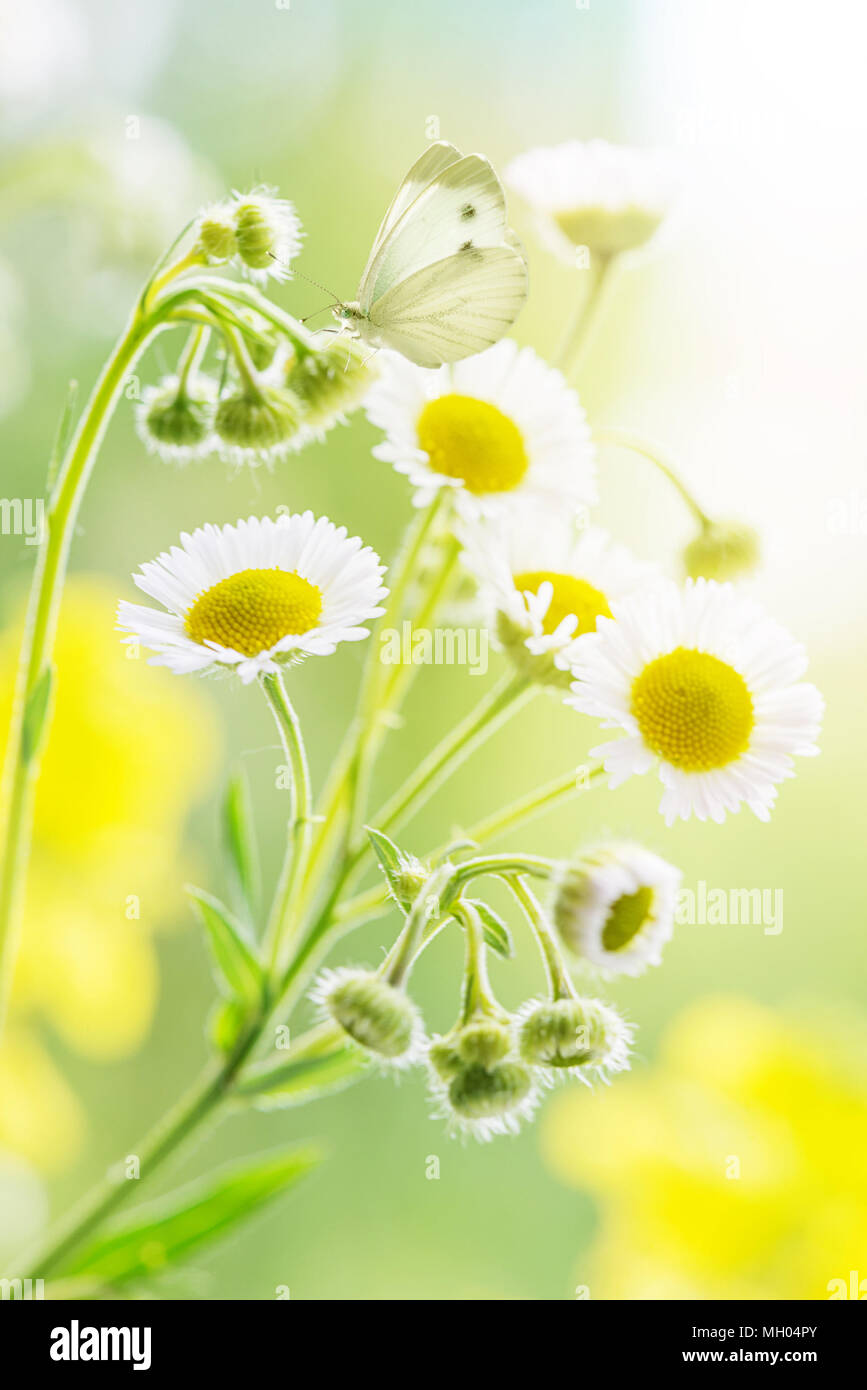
(734, 1168)
(128, 753)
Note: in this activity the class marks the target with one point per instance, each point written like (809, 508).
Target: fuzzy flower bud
(723, 550)
(485, 1101)
(331, 381)
(380, 1018)
(481, 1042)
(177, 421)
(258, 425)
(267, 233)
(614, 907)
(216, 234)
(582, 1034)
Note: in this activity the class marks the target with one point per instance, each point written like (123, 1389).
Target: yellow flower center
(571, 595)
(625, 919)
(693, 710)
(472, 440)
(251, 610)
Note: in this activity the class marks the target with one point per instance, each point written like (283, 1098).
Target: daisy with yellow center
(707, 687)
(256, 596)
(609, 198)
(501, 429)
(614, 907)
(545, 584)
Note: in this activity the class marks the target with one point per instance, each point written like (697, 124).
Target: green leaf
(226, 1023)
(35, 712)
(238, 971)
(169, 1230)
(496, 933)
(386, 851)
(240, 836)
(321, 1064)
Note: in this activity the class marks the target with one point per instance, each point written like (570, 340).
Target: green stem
(343, 791)
(579, 331)
(625, 439)
(477, 996)
(559, 982)
(21, 766)
(454, 749)
(502, 865)
(164, 1139)
(284, 913)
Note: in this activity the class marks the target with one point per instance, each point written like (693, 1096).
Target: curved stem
(479, 725)
(22, 759)
(477, 996)
(559, 982)
(625, 439)
(284, 913)
(573, 345)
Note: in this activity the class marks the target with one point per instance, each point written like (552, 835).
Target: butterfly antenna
(335, 304)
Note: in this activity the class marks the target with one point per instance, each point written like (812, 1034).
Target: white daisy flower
(609, 198)
(705, 684)
(501, 429)
(545, 584)
(614, 907)
(255, 596)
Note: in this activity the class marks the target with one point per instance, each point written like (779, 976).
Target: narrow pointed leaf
(238, 971)
(386, 851)
(320, 1063)
(496, 933)
(240, 836)
(169, 1230)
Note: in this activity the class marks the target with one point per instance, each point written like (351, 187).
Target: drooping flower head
(544, 583)
(501, 429)
(705, 686)
(609, 198)
(175, 419)
(614, 907)
(255, 596)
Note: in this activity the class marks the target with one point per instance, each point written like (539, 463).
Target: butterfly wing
(435, 160)
(462, 207)
(461, 304)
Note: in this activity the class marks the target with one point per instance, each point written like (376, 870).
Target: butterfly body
(446, 277)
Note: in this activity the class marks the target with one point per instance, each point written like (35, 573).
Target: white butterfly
(446, 277)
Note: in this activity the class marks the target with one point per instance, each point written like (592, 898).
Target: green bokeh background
(737, 345)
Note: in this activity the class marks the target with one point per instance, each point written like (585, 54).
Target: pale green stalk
(625, 439)
(559, 982)
(283, 920)
(578, 332)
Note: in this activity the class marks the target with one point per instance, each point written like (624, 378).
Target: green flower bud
(574, 1033)
(259, 425)
(331, 381)
(177, 422)
(485, 1101)
(482, 1042)
(217, 234)
(267, 233)
(723, 550)
(376, 1015)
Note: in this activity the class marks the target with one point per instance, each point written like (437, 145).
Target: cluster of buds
(612, 909)
(275, 385)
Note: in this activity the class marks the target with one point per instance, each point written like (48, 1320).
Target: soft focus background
(738, 345)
